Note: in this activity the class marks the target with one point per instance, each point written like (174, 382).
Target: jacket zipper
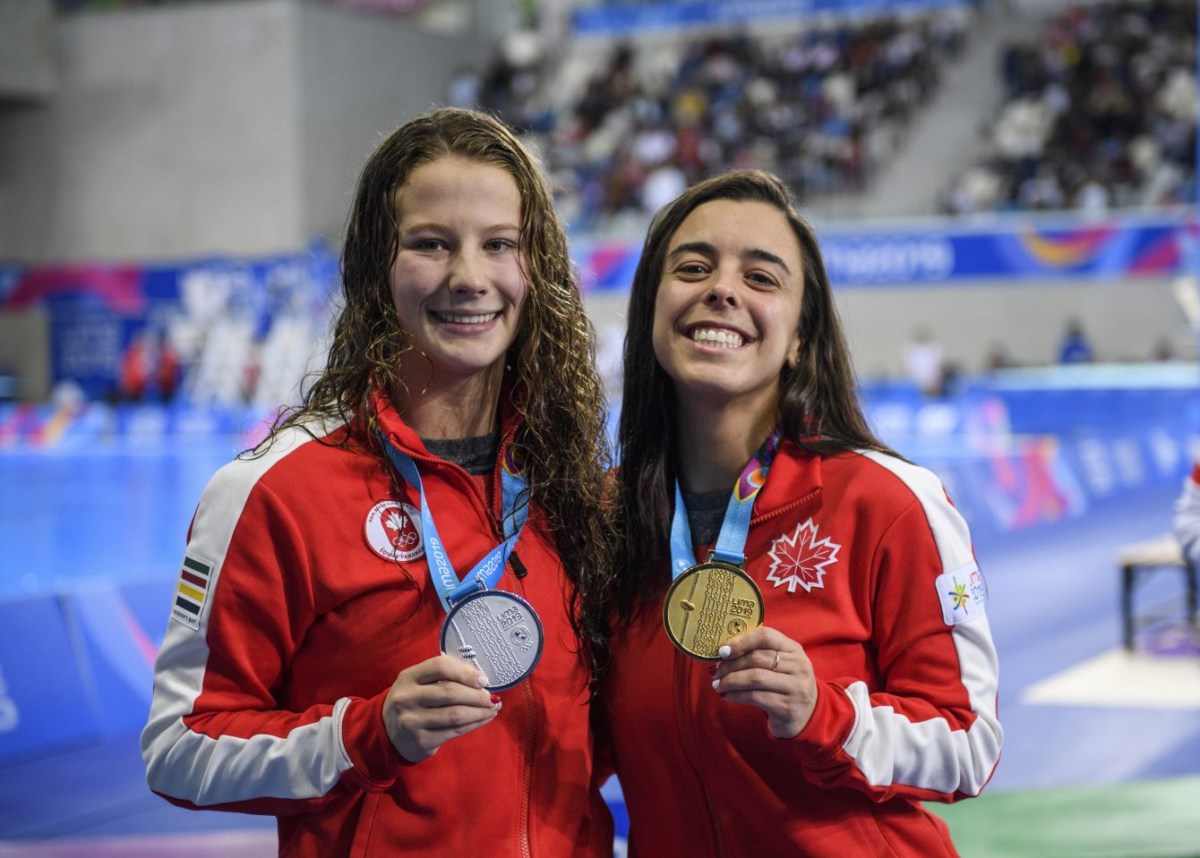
(519, 572)
(803, 500)
(531, 724)
(681, 706)
(527, 774)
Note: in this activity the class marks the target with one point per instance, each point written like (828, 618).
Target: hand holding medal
(766, 669)
(435, 701)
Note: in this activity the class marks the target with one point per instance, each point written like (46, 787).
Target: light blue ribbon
(735, 528)
(484, 574)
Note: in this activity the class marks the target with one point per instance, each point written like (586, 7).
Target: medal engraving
(497, 631)
(707, 605)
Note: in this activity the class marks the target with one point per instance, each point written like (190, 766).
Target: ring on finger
(775, 666)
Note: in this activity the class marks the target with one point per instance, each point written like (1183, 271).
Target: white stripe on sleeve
(201, 769)
(889, 748)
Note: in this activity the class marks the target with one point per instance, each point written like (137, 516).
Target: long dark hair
(819, 408)
(551, 363)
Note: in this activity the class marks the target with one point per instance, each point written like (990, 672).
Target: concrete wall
(26, 55)
(360, 76)
(1123, 320)
(25, 351)
(173, 134)
(217, 128)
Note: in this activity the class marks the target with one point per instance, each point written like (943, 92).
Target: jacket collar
(794, 481)
(382, 412)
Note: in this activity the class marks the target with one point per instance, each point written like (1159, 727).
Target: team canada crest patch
(801, 559)
(394, 531)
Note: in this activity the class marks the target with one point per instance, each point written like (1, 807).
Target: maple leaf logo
(800, 559)
(395, 521)
(404, 529)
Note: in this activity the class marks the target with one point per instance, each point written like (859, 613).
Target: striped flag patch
(191, 592)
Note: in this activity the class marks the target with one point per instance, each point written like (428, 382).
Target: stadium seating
(1099, 114)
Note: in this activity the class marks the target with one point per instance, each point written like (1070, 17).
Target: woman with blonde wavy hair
(385, 624)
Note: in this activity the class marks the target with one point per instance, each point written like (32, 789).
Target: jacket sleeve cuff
(367, 744)
(818, 746)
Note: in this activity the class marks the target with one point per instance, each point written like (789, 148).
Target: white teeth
(477, 319)
(717, 337)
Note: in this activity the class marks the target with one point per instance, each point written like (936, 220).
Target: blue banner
(1023, 250)
(133, 332)
(623, 19)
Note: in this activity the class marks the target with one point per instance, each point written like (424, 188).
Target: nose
(467, 272)
(722, 293)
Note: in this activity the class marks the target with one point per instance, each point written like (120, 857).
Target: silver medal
(498, 632)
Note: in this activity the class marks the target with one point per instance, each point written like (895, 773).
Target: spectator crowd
(1099, 113)
(822, 107)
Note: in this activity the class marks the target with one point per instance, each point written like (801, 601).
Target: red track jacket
(288, 629)
(863, 561)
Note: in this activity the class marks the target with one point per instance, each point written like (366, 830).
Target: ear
(793, 357)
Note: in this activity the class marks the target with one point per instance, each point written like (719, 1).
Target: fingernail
(717, 684)
(497, 706)
(495, 698)
(482, 679)
(724, 651)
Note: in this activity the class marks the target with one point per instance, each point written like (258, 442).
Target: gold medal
(709, 604)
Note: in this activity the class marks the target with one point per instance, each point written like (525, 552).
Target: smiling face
(727, 310)
(457, 281)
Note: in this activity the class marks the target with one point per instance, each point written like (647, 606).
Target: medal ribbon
(731, 542)
(514, 489)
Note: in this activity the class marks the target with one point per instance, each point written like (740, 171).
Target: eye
(425, 243)
(499, 245)
(691, 268)
(762, 280)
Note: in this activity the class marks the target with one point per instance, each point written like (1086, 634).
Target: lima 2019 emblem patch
(393, 531)
(962, 593)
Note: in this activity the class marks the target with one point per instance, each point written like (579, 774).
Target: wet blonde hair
(550, 366)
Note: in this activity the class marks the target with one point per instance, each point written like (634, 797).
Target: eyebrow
(707, 249)
(434, 226)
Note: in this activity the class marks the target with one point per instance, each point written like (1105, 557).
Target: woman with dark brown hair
(802, 655)
(384, 628)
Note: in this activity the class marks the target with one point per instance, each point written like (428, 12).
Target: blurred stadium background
(1005, 191)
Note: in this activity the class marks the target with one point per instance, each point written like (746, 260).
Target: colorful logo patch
(393, 531)
(192, 591)
(962, 594)
(800, 560)
(749, 484)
